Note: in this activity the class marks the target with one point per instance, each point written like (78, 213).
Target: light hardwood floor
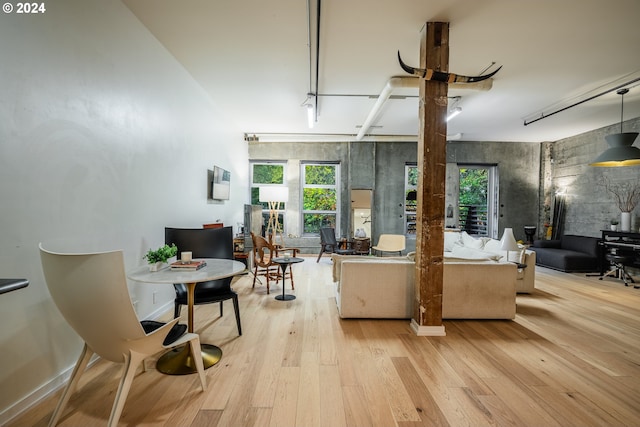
(570, 358)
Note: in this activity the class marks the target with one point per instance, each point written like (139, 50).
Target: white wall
(104, 140)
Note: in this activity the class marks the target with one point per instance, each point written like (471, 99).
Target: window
(267, 174)
(477, 199)
(411, 199)
(319, 196)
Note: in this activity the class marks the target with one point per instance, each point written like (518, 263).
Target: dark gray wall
(380, 166)
(589, 207)
(519, 181)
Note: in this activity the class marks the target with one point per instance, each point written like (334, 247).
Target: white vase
(625, 221)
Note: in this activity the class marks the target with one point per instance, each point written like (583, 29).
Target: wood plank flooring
(570, 358)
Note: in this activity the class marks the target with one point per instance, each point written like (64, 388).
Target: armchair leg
(81, 364)
(221, 309)
(131, 363)
(267, 280)
(320, 254)
(255, 274)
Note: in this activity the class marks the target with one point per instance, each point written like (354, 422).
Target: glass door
(478, 199)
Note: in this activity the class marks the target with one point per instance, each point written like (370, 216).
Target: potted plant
(160, 256)
(614, 224)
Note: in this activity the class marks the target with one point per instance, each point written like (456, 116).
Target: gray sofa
(570, 253)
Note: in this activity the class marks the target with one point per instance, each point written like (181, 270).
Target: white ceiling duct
(404, 82)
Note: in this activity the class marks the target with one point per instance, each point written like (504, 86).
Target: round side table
(284, 263)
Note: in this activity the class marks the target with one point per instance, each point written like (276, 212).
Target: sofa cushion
(493, 245)
(547, 244)
(565, 260)
(588, 245)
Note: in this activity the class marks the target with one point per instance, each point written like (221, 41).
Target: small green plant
(162, 254)
(614, 221)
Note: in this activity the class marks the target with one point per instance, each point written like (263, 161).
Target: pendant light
(621, 151)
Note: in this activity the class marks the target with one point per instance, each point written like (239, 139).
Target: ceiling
(254, 59)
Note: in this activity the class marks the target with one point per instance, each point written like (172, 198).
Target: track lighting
(309, 104)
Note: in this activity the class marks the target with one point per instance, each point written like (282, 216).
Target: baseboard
(60, 380)
(40, 394)
(427, 331)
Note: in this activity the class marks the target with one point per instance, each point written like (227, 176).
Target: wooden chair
(390, 243)
(90, 290)
(329, 244)
(263, 253)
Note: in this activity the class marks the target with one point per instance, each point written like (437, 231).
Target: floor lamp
(273, 196)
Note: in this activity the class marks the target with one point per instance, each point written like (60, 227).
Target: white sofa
(383, 288)
(460, 247)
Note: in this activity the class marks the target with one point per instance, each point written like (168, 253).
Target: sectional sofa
(477, 283)
(570, 253)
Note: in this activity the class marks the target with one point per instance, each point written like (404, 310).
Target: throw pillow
(472, 242)
(450, 239)
(493, 245)
(516, 256)
(475, 254)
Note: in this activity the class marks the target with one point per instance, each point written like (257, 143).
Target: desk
(178, 361)
(620, 243)
(284, 263)
(8, 285)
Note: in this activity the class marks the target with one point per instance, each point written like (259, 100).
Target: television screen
(220, 184)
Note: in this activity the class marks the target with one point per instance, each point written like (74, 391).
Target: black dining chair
(205, 243)
(329, 244)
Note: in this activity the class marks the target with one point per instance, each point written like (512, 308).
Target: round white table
(178, 361)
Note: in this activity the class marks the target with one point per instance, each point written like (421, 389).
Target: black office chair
(205, 243)
(329, 244)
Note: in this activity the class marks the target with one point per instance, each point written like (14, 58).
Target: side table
(284, 263)
(361, 245)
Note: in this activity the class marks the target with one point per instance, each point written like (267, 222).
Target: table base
(286, 297)
(179, 361)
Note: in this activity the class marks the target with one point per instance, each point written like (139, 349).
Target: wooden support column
(432, 139)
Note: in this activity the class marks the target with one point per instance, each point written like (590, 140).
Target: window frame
(335, 187)
(492, 190)
(265, 207)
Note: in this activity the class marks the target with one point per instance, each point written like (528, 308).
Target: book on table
(191, 265)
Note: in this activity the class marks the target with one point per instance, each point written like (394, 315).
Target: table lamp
(508, 242)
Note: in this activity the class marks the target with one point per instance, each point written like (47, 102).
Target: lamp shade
(273, 194)
(508, 242)
(620, 152)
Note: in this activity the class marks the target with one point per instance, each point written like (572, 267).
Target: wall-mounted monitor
(220, 183)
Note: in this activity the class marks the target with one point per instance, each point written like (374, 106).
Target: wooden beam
(434, 54)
